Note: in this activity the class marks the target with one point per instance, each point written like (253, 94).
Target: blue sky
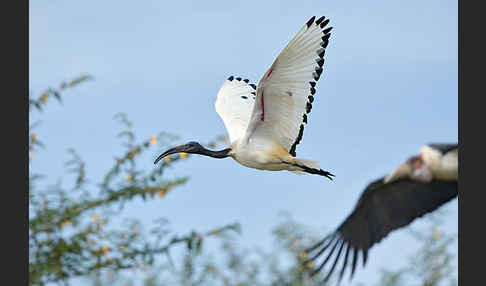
(389, 86)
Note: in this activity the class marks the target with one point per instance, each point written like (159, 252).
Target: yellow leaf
(128, 178)
(95, 217)
(65, 223)
(153, 140)
(303, 255)
(310, 264)
(167, 159)
(43, 97)
(183, 155)
(104, 249)
(161, 193)
(436, 234)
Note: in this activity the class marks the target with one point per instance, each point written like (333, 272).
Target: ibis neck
(215, 154)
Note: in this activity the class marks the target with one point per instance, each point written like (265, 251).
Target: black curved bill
(174, 150)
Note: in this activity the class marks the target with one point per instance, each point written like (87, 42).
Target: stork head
(420, 171)
(194, 148)
(414, 168)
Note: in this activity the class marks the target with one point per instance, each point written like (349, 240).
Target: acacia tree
(234, 265)
(70, 233)
(430, 265)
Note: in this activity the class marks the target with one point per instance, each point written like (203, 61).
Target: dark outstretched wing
(443, 148)
(381, 209)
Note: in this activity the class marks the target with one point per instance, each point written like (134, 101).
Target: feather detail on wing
(234, 104)
(286, 91)
(382, 208)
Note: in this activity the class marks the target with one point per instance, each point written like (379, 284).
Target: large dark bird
(419, 186)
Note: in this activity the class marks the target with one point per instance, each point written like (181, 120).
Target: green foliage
(39, 102)
(70, 229)
(431, 265)
(234, 265)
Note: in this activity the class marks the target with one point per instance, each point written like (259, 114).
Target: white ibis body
(419, 186)
(265, 123)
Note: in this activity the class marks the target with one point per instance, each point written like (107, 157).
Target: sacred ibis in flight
(419, 186)
(265, 122)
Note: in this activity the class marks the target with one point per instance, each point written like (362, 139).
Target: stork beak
(403, 171)
(174, 150)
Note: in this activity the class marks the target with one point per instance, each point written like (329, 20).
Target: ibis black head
(194, 148)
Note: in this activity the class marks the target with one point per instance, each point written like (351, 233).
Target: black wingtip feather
(230, 78)
(297, 141)
(325, 37)
(355, 260)
(328, 243)
(365, 256)
(327, 258)
(308, 107)
(336, 260)
(311, 20)
(318, 21)
(345, 263)
(323, 24)
(319, 243)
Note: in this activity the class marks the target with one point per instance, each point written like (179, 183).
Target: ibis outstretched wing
(234, 104)
(286, 91)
